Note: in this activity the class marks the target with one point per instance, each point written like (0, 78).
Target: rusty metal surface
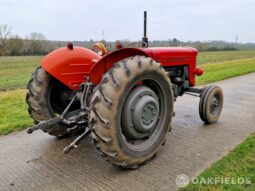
(36, 162)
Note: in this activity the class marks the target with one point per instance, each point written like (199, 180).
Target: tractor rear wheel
(47, 98)
(131, 111)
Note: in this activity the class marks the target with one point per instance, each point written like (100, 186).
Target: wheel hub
(214, 106)
(141, 113)
(145, 114)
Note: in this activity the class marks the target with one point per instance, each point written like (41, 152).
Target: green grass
(223, 70)
(16, 71)
(239, 163)
(13, 112)
(221, 56)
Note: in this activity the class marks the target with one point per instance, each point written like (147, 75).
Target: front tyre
(131, 113)
(211, 104)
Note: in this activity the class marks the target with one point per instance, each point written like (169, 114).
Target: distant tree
(169, 42)
(201, 46)
(175, 42)
(5, 32)
(14, 46)
(213, 48)
(104, 42)
(37, 44)
(229, 48)
(37, 36)
(126, 42)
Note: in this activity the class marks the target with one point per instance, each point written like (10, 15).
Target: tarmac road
(36, 162)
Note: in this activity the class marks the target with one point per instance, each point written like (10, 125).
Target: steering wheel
(99, 48)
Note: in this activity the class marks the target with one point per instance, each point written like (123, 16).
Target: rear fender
(106, 62)
(70, 66)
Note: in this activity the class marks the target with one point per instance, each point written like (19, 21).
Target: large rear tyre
(131, 113)
(46, 97)
(211, 104)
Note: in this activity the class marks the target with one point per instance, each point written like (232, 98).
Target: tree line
(12, 45)
(200, 46)
(37, 44)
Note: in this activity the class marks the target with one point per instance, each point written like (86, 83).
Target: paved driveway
(36, 162)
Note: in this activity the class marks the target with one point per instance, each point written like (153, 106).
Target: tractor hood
(158, 52)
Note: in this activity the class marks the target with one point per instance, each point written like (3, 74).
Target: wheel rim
(147, 132)
(140, 113)
(214, 106)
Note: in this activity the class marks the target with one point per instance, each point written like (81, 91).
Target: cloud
(83, 19)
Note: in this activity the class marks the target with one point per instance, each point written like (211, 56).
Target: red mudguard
(105, 63)
(70, 66)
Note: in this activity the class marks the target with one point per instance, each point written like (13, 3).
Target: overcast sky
(123, 19)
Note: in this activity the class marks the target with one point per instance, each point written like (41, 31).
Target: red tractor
(124, 98)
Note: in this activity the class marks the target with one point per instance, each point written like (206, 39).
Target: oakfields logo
(182, 180)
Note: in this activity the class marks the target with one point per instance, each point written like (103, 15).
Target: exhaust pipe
(145, 42)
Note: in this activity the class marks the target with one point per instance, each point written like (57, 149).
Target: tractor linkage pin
(73, 145)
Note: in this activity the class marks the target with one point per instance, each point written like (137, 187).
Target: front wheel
(132, 110)
(211, 104)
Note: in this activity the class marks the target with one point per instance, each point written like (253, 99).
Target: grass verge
(13, 112)
(239, 164)
(221, 56)
(15, 71)
(223, 70)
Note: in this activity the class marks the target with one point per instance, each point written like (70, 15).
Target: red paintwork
(175, 56)
(199, 71)
(119, 45)
(70, 66)
(166, 56)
